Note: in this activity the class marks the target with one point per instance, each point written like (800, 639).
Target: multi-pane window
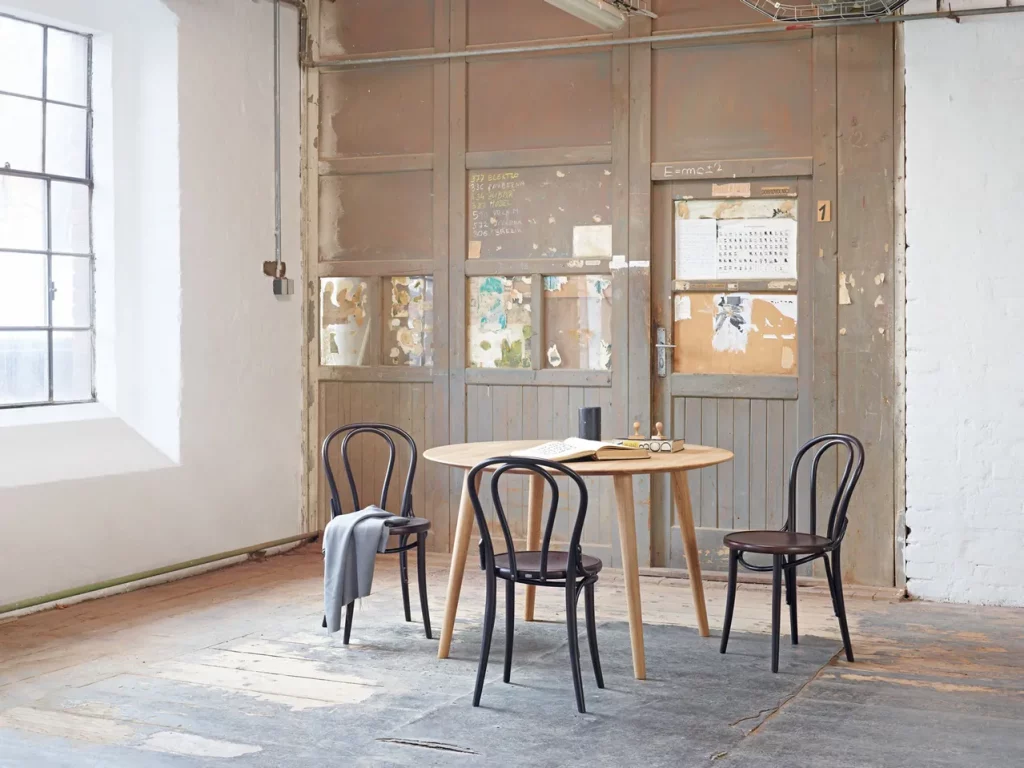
(46, 255)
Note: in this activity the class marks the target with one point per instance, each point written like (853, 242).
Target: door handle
(661, 344)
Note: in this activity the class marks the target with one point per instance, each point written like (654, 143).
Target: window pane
(21, 133)
(22, 289)
(72, 365)
(69, 207)
(21, 57)
(72, 291)
(735, 333)
(65, 140)
(499, 325)
(409, 333)
(22, 213)
(344, 321)
(23, 367)
(578, 322)
(67, 67)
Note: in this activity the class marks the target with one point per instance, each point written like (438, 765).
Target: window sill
(53, 414)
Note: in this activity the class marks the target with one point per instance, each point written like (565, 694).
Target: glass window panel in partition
(736, 239)
(409, 321)
(736, 333)
(499, 325)
(345, 319)
(577, 322)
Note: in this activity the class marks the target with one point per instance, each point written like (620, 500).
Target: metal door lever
(661, 344)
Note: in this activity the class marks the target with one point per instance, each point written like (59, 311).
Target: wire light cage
(825, 10)
(634, 7)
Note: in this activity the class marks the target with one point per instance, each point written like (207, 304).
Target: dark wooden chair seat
(528, 565)
(415, 525)
(416, 529)
(776, 542)
(570, 570)
(790, 549)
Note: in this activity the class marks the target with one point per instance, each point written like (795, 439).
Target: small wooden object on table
(468, 455)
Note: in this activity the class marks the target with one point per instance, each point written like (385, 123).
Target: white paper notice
(592, 241)
(756, 248)
(696, 249)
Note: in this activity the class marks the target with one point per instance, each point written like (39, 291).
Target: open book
(577, 448)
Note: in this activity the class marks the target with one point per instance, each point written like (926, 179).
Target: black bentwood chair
(416, 527)
(572, 570)
(789, 548)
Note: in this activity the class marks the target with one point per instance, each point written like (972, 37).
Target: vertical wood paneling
(726, 470)
(692, 434)
(790, 418)
(560, 422)
(741, 465)
(758, 463)
(774, 468)
(866, 371)
(708, 510)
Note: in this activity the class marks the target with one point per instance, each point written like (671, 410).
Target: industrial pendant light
(825, 10)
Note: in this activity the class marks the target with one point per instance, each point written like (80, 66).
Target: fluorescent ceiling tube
(596, 12)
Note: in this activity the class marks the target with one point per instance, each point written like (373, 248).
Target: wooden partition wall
(492, 243)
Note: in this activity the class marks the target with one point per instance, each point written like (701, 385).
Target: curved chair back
(844, 490)
(539, 467)
(385, 432)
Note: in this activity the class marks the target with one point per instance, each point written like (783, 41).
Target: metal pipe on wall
(282, 286)
(670, 38)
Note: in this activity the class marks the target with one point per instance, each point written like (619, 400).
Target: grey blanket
(351, 544)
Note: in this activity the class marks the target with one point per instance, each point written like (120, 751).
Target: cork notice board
(735, 333)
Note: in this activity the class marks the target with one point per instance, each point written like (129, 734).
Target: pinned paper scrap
(591, 241)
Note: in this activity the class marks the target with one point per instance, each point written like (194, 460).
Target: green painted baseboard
(76, 591)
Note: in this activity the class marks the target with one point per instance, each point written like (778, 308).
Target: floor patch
(176, 743)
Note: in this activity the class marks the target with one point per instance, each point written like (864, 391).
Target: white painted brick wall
(965, 309)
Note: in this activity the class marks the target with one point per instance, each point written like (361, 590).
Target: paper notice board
(736, 249)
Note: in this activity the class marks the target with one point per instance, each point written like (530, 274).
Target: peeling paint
(844, 292)
(499, 326)
(554, 358)
(879, 278)
(878, 301)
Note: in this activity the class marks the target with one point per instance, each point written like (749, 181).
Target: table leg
(460, 547)
(681, 492)
(631, 570)
(537, 484)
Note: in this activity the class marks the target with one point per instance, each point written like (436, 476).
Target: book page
(696, 249)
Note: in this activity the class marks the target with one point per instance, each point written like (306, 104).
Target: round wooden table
(468, 455)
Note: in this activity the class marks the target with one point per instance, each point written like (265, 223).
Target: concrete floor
(195, 672)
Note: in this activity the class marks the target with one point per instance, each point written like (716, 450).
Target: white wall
(195, 449)
(965, 309)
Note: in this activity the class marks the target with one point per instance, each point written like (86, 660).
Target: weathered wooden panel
(350, 27)
(555, 212)
(866, 378)
(377, 111)
(565, 100)
(732, 101)
(500, 21)
(377, 216)
(680, 15)
(405, 406)
(519, 413)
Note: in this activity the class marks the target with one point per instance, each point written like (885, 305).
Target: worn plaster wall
(195, 446)
(965, 396)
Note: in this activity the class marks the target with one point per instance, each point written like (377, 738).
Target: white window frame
(49, 252)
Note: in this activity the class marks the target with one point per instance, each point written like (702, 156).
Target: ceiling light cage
(634, 7)
(825, 10)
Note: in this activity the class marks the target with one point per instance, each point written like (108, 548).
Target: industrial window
(46, 254)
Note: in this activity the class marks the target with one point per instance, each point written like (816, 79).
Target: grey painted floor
(231, 669)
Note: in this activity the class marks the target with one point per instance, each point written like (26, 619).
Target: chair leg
(485, 644)
(776, 608)
(844, 630)
(831, 586)
(403, 571)
(510, 626)
(790, 572)
(588, 604)
(421, 577)
(350, 609)
(730, 598)
(574, 644)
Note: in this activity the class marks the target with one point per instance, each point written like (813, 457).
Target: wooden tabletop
(467, 455)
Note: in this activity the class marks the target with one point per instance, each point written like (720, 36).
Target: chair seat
(776, 542)
(528, 565)
(415, 525)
